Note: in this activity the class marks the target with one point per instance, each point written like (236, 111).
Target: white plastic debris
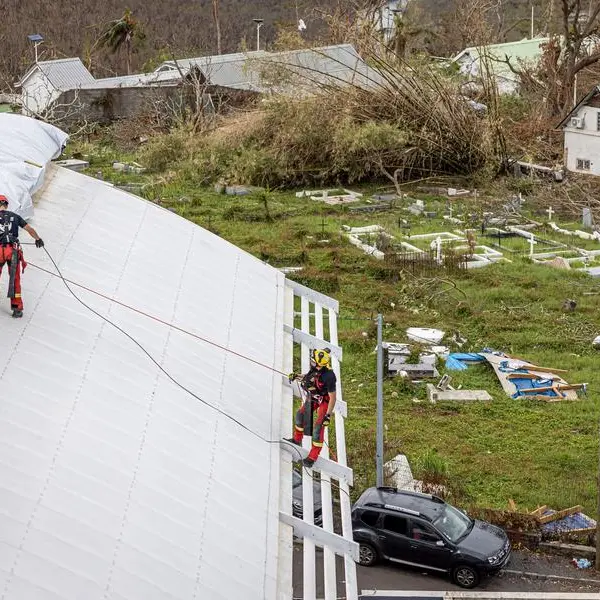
(424, 335)
(596, 342)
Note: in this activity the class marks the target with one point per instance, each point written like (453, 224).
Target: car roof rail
(388, 488)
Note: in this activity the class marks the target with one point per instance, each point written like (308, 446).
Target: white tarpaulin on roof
(26, 146)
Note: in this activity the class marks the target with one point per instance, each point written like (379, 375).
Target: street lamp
(37, 39)
(259, 24)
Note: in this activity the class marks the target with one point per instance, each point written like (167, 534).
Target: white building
(126, 478)
(47, 80)
(582, 135)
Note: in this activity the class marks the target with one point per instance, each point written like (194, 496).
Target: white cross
(532, 242)
(450, 210)
(550, 213)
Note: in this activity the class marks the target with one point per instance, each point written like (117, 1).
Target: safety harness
(314, 387)
(7, 222)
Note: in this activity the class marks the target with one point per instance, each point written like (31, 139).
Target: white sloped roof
(114, 482)
(64, 73)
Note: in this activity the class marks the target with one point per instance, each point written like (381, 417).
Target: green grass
(532, 452)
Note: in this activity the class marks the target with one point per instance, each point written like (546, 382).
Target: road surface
(387, 576)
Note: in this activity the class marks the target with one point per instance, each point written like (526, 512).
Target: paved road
(392, 577)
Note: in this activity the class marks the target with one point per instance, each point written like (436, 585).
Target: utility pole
(532, 13)
(379, 451)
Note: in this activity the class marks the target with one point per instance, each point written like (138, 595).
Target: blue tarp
(456, 361)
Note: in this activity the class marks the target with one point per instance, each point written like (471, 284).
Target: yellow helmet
(322, 358)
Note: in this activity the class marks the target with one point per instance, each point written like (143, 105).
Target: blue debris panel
(572, 522)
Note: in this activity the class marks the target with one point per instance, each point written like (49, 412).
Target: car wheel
(465, 576)
(367, 555)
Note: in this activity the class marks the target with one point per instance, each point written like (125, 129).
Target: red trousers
(318, 427)
(6, 255)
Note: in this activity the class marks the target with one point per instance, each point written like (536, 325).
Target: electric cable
(170, 377)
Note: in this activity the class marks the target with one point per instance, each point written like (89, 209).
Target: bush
(164, 151)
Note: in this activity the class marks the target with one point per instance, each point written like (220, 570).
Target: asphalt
(555, 574)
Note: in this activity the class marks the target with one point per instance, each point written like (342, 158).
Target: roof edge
(595, 90)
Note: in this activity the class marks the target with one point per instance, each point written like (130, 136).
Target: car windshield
(453, 523)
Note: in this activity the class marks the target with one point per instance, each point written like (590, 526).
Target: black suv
(422, 530)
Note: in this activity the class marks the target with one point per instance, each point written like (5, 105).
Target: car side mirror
(440, 543)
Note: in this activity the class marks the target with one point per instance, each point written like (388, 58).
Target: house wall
(583, 143)
(37, 93)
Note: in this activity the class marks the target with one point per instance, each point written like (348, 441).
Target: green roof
(523, 51)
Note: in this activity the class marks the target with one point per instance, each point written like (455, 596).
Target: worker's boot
(308, 462)
(16, 313)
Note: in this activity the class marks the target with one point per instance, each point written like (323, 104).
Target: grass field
(532, 452)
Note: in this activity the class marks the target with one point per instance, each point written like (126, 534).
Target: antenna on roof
(37, 39)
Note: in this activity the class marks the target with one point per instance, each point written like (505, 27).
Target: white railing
(315, 325)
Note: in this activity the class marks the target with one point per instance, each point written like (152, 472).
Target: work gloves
(39, 243)
(293, 376)
(326, 420)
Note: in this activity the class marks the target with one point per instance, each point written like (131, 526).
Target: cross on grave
(550, 213)
(532, 242)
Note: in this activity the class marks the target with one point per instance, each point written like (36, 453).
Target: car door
(393, 537)
(425, 548)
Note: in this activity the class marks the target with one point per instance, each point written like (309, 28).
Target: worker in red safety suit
(11, 253)
(320, 385)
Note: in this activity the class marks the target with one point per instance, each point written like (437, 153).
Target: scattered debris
(458, 361)
(522, 379)
(287, 270)
(581, 563)
(448, 395)
(128, 167)
(569, 305)
(596, 342)
(418, 371)
(458, 340)
(424, 335)
(386, 197)
(524, 168)
(73, 164)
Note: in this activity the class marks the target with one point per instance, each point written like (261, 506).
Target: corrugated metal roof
(140, 80)
(64, 74)
(334, 64)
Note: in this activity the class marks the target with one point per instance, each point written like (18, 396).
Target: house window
(598, 120)
(583, 164)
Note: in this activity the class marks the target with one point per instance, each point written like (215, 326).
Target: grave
(73, 164)
(331, 196)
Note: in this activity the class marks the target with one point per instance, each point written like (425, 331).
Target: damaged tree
(580, 24)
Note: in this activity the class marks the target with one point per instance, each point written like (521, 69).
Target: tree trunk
(215, 6)
(128, 56)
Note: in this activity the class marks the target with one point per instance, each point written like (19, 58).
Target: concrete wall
(583, 143)
(107, 105)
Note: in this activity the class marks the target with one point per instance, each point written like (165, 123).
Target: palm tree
(120, 34)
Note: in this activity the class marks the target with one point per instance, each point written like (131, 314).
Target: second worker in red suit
(320, 386)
